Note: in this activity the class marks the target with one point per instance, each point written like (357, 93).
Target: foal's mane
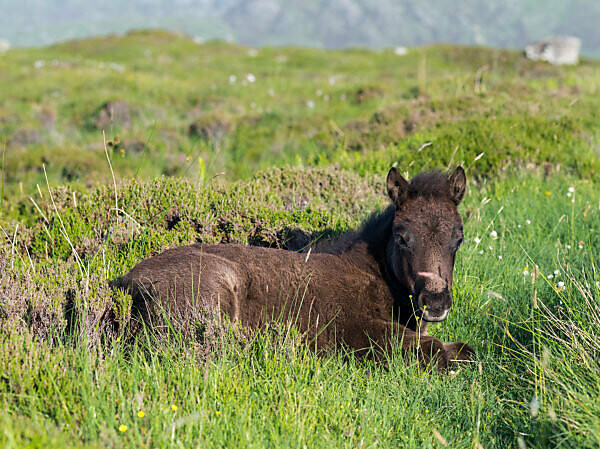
(375, 230)
(429, 184)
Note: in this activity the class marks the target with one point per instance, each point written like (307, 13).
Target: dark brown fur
(364, 290)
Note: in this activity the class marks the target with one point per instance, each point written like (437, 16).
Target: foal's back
(254, 285)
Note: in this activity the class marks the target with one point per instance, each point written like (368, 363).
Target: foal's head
(426, 233)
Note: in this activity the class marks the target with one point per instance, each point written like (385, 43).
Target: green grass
(536, 378)
(272, 391)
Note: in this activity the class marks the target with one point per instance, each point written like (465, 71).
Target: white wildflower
(332, 80)
(232, 79)
(534, 406)
(271, 92)
(400, 51)
(39, 64)
(116, 67)
(550, 276)
(319, 92)
(560, 285)
(477, 240)
(527, 222)
(571, 189)
(568, 246)
(494, 235)
(310, 104)
(250, 77)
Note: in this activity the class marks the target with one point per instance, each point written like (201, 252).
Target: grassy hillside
(170, 106)
(526, 282)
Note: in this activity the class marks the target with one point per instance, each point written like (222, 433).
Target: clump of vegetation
(563, 360)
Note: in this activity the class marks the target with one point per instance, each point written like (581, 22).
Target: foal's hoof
(433, 355)
(459, 352)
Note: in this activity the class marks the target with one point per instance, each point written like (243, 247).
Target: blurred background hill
(314, 23)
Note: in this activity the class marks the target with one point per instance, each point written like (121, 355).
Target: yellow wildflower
(122, 428)
(141, 414)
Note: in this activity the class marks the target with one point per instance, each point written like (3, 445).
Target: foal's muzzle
(433, 296)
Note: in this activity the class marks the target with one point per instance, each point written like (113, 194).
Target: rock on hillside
(555, 50)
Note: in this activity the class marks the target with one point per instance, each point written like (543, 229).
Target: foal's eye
(401, 240)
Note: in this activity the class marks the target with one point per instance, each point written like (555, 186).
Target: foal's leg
(429, 350)
(459, 351)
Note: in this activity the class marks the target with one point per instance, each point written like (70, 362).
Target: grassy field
(179, 108)
(305, 146)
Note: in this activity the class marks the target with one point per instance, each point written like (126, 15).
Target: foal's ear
(397, 186)
(458, 184)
